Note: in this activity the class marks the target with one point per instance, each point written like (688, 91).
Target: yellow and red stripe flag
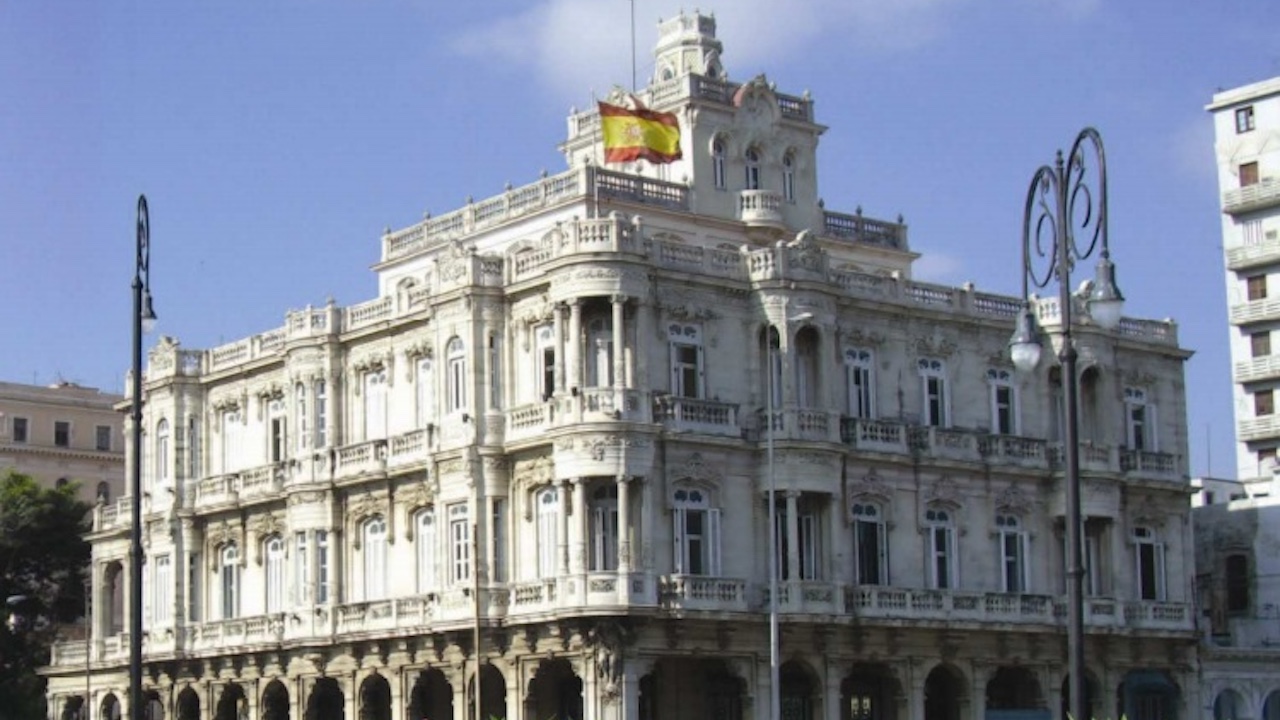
(639, 134)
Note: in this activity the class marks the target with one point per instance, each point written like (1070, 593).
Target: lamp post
(775, 697)
(143, 320)
(1060, 201)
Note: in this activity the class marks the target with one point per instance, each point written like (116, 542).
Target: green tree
(43, 557)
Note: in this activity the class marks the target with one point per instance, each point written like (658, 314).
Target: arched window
(162, 451)
(940, 544)
(547, 502)
(806, 358)
(61, 483)
(103, 492)
(425, 393)
(870, 544)
(717, 163)
(604, 527)
(230, 577)
(1013, 553)
(771, 361)
(375, 558)
(274, 551)
(789, 177)
(456, 356)
(752, 157)
(375, 404)
(696, 527)
(424, 524)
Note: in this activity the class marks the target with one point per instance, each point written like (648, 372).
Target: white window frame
(300, 418)
(229, 582)
(1004, 398)
(717, 163)
(277, 432)
(751, 166)
(273, 573)
(860, 373)
(425, 541)
(688, 379)
(324, 581)
(935, 406)
(301, 568)
(1244, 119)
(1012, 551)
(459, 544)
(870, 515)
(604, 528)
(373, 549)
(194, 586)
(499, 530)
(547, 511)
(545, 361)
(807, 369)
(162, 590)
(695, 553)
(1140, 421)
(456, 361)
(599, 352)
(162, 451)
(375, 404)
(810, 535)
(940, 549)
(789, 177)
(495, 372)
(1145, 538)
(232, 440)
(322, 413)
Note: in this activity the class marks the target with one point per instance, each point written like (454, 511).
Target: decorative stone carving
(936, 346)
(943, 492)
(871, 487)
(1013, 500)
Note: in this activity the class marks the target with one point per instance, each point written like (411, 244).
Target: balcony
(1266, 252)
(806, 596)
(708, 417)
(1258, 196)
(1149, 464)
(696, 592)
(1255, 311)
(760, 208)
(1260, 368)
(1259, 428)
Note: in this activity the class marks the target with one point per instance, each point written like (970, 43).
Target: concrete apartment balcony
(1244, 257)
(699, 592)
(760, 208)
(1255, 311)
(1260, 368)
(692, 415)
(1259, 428)
(1258, 196)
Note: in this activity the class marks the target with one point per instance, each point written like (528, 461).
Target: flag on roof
(639, 134)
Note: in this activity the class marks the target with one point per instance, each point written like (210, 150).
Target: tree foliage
(43, 558)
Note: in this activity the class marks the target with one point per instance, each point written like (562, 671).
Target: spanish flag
(639, 134)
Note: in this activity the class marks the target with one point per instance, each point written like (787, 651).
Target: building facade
(530, 479)
(64, 433)
(1237, 542)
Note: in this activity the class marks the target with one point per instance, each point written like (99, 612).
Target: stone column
(913, 680)
(557, 325)
(563, 551)
(978, 691)
(644, 336)
(619, 344)
(578, 528)
(574, 343)
(624, 526)
(831, 696)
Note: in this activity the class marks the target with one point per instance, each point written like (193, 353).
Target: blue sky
(275, 141)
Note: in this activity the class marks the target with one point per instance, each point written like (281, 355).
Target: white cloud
(937, 267)
(577, 45)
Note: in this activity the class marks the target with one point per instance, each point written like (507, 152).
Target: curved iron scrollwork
(1064, 203)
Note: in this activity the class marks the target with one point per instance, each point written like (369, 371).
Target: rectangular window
(424, 388)
(459, 544)
(232, 429)
(274, 572)
(375, 405)
(934, 402)
(1013, 554)
(193, 587)
(1150, 565)
(1244, 119)
(1140, 420)
(1248, 174)
(604, 536)
(193, 449)
(1260, 344)
(545, 349)
(20, 434)
(810, 546)
(697, 541)
(861, 388)
(277, 439)
(62, 433)
(322, 415)
(1264, 403)
(162, 587)
(941, 560)
(1252, 233)
(457, 383)
(1266, 461)
(870, 550)
(1256, 287)
(301, 569)
(102, 438)
(322, 567)
(548, 514)
(1004, 403)
(686, 371)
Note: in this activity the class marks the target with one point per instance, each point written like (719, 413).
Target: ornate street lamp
(144, 318)
(1061, 202)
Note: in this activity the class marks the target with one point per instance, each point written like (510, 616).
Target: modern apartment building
(63, 433)
(533, 473)
(1237, 543)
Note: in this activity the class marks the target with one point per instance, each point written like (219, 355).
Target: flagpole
(596, 144)
(633, 46)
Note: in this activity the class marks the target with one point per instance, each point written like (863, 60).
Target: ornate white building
(545, 446)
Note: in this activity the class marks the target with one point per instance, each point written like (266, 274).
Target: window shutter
(673, 361)
(1160, 577)
(702, 378)
(1152, 433)
(1023, 556)
(882, 549)
(713, 542)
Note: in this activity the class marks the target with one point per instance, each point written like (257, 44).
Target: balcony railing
(760, 208)
(681, 414)
(1258, 196)
(1259, 428)
(695, 592)
(1255, 311)
(1260, 368)
(1243, 257)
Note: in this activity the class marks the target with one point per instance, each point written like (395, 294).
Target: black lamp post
(1060, 201)
(144, 319)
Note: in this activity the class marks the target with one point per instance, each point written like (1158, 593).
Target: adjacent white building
(1237, 535)
(549, 434)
